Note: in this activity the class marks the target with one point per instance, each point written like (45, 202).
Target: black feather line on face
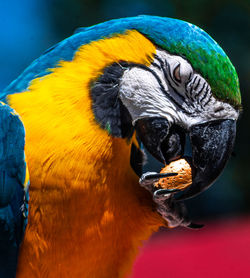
(111, 114)
(108, 109)
(136, 159)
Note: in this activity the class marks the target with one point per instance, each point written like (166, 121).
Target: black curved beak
(212, 144)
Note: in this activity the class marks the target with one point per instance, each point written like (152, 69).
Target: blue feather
(13, 192)
(165, 32)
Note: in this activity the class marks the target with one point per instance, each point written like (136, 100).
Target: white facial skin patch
(171, 89)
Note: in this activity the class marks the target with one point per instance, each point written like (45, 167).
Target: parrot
(76, 127)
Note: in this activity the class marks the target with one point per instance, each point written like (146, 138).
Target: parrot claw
(195, 226)
(165, 192)
(148, 179)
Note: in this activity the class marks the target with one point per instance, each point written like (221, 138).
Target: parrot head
(189, 88)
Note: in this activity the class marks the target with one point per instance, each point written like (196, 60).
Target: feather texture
(13, 189)
(88, 213)
(175, 36)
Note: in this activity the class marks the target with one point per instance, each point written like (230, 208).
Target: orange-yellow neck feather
(87, 212)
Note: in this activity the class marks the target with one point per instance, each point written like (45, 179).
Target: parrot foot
(175, 213)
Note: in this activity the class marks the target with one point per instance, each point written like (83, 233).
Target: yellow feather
(27, 178)
(88, 215)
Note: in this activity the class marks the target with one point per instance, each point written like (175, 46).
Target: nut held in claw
(181, 181)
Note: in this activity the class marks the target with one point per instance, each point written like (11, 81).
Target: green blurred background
(29, 27)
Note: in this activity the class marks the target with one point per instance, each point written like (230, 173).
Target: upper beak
(212, 145)
(211, 142)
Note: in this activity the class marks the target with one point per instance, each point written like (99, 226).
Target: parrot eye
(177, 74)
(179, 71)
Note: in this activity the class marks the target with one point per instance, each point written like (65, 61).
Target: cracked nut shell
(181, 181)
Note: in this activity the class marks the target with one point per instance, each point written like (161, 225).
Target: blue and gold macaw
(87, 106)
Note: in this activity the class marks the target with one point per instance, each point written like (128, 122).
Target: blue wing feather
(13, 189)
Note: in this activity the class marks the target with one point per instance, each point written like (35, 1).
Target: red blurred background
(220, 249)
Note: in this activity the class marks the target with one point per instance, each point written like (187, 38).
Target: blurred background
(29, 27)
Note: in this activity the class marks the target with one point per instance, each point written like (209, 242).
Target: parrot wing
(14, 184)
